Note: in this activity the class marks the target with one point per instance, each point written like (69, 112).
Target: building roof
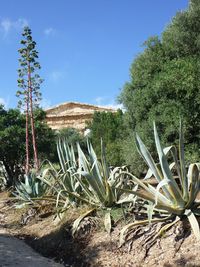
(74, 109)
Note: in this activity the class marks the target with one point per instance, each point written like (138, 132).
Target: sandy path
(14, 252)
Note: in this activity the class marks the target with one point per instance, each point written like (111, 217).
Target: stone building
(72, 114)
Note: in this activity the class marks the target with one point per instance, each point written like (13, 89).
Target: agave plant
(3, 176)
(30, 189)
(173, 197)
(69, 166)
(63, 183)
(101, 185)
(85, 179)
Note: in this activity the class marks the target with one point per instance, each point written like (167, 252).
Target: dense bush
(110, 127)
(12, 140)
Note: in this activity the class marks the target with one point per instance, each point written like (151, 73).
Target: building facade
(72, 115)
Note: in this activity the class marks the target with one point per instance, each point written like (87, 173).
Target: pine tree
(29, 82)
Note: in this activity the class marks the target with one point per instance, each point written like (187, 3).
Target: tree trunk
(27, 134)
(36, 162)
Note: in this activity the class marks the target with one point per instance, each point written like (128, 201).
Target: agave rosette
(32, 188)
(172, 196)
(100, 183)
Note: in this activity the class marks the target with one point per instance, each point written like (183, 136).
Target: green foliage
(110, 127)
(72, 136)
(165, 85)
(181, 38)
(45, 137)
(12, 140)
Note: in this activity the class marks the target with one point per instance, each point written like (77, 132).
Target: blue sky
(85, 47)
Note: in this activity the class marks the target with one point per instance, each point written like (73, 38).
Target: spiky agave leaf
(77, 222)
(129, 227)
(96, 178)
(192, 183)
(173, 190)
(194, 223)
(107, 221)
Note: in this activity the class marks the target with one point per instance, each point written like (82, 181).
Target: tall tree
(29, 81)
(165, 84)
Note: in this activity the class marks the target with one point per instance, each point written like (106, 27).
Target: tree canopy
(108, 126)
(12, 140)
(165, 82)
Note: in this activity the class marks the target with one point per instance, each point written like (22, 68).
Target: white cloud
(49, 31)
(114, 106)
(56, 75)
(20, 23)
(3, 102)
(7, 25)
(101, 101)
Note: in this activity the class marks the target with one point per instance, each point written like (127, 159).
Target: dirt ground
(93, 247)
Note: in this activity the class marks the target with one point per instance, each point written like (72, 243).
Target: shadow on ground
(62, 247)
(15, 252)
